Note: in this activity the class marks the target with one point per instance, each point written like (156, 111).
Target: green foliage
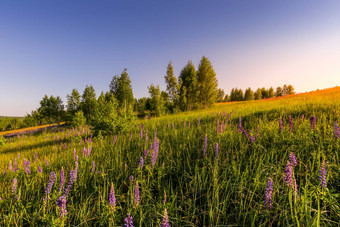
(271, 92)
(11, 123)
(171, 83)
(157, 104)
(105, 116)
(89, 102)
(121, 87)
(236, 95)
(249, 94)
(278, 92)
(51, 109)
(2, 141)
(188, 91)
(207, 83)
(73, 101)
(78, 119)
(258, 94)
(220, 95)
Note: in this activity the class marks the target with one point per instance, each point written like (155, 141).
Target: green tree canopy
(156, 100)
(171, 83)
(249, 94)
(88, 102)
(207, 82)
(188, 86)
(73, 101)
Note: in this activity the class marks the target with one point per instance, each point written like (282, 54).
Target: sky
(51, 47)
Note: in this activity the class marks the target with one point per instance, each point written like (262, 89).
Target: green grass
(200, 190)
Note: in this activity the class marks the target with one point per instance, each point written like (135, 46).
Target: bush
(78, 119)
(2, 141)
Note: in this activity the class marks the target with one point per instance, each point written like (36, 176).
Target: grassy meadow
(223, 184)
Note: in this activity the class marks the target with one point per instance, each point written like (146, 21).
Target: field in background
(224, 182)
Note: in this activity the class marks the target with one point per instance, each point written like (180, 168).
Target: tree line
(115, 109)
(260, 93)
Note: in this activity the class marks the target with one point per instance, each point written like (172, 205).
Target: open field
(217, 182)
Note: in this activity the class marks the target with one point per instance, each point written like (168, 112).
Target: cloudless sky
(51, 47)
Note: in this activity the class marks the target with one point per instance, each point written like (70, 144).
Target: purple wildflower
(61, 203)
(323, 174)
(291, 127)
(131, 178)
(49, 187)
(112, 198)
(15, 168)
(141, 133)
(269, 193)
(46, 162)
(205, 145)
(216, 151)
(40, 169)
(312, 122)
(251, 137)
(165, 221)
(137, 197)
(292, 159)
(93, 167)
(62, 179)
(302, 117)
(289, 178)
(18, 156)
(14, 186)
(336, 131)
(74, 153)
(280, 124)
(155, 152)
(27, 166)
(114, 140)
(128, 221)
(240, 124)
(141, 162)
(70, 183)
(218, 126)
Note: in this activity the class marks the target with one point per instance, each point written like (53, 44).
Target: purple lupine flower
(74, 153)
(49, 187)
(46, 162)
(141, 133)
(280, 124)
(128, 221)
(15, 168)
(291, 127)
(165, 221)
(184, 123)
(18, 156)
(189, 125)
(218, 126)
(251, 137)
(61, 203)
(40, 169)
(14, 186)
(84, 151)
(112, 198)
(141, 162)
(288, 174)
(77, 158)
(336, 131)
(125, 166)
(27, 166)
(70, 183)
(62, 179)
(114, 140)
(10, 168)
(240, 124)
(302, 117)
(0, 199)
(289, 178)
(89, 151)
(131, 178)
(216, 151)
(155, 152)
(93, 167)
(323, 174)
(312, 122)
(244, 132)
(205, 145)
(137, 197)
(292, 159)
(269, 193)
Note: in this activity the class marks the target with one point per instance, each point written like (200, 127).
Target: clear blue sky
(51, 47)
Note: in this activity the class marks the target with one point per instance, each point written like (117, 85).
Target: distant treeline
(11, 123)
(115, 109)
(260, 93)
